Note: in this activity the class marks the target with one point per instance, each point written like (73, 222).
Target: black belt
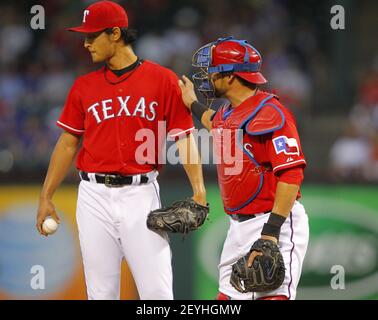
(113, 180)
(243, 217)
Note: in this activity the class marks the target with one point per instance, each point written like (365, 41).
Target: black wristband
(198, 109)
(273, 226)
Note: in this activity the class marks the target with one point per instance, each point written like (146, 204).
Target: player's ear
(231, 78)
(116, 34)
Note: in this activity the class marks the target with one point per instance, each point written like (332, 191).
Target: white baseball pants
(112, 226)
(293, 243)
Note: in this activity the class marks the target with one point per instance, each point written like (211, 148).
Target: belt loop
(92, 177)
(136, 179)
(152, 175)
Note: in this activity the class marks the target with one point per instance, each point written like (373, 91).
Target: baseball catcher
(262, 198)
(182, 216)
(265, 273)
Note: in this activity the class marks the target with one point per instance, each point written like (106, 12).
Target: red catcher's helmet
(226, 55)
(238, 52)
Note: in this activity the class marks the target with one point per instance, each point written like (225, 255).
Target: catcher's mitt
(267, 272)
(181, 217)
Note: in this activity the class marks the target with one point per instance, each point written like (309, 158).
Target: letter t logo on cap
(86, 12)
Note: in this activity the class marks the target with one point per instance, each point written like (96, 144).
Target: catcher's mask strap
(245, 67)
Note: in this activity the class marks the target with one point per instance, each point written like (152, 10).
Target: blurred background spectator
(350, 155)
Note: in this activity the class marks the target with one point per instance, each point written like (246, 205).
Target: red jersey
(109, 112)
(266, 134)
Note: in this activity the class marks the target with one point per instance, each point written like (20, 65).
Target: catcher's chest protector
(239, 154)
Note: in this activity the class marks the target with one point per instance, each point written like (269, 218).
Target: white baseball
(49, 225)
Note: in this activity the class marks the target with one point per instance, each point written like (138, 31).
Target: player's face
(220, 84)
(99, 46)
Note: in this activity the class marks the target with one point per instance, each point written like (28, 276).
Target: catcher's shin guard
(222, 296)
(280, 297)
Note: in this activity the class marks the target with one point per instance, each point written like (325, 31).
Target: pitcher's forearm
(194, 173)
(191, 162)
(60, 162)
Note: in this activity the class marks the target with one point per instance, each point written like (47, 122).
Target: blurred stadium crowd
(39, 66)
(354, 155)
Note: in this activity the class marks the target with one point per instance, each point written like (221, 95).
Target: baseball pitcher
(104, 111)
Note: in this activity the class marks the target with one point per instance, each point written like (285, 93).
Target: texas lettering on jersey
(109, 111)
(105, 109)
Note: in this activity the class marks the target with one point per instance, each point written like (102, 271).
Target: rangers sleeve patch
(288, 146)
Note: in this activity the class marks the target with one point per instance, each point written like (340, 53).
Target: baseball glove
(267, 272)
(181, 217)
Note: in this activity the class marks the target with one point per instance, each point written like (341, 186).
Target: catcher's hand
(267, 272)
(181, 217)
